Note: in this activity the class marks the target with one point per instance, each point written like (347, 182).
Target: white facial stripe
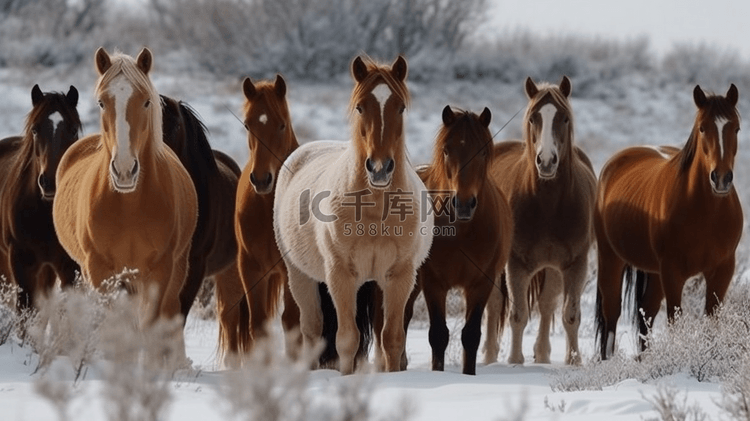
(263, 119)
(55, 118)
(546, 147)
(121, 90)
(720, 123)
(382, 92)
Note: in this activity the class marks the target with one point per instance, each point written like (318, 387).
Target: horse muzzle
(124, 181)
(465, 209)
(263, 185)
(547, 169)
(47, 188)
(380, 175)
(721, 185)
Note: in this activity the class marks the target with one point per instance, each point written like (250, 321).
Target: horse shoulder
(82, 149)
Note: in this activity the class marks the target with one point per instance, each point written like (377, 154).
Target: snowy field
(638, 114)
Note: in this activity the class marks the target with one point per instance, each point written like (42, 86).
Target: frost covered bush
(313, 39)
(708, 348)
(671, 407)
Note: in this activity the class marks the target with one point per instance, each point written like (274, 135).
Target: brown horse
(551, 187)
(124, 200)
(672, 214)
(476, 230)
(271, 140)
(213, 251)
(30, 253)
(349, 212)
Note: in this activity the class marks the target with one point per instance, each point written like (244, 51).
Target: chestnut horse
(271, 140)
(213, 251)
(475, 230)
(672, 214)
(551, 187)
(30, 253)
(349, 212)
(124, 200)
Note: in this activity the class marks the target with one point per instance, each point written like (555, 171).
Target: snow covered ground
(642, 114)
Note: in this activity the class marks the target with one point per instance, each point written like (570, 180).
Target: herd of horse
(349, 234)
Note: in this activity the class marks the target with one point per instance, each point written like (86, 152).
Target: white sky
(722, 24)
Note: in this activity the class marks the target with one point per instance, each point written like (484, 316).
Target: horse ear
(485, 117)
(249, 89)
(103, 62)
(449, 117)
(531, 89)
(399, 68)
(565, 86)
(145, 60)
(359, 69)
(36, 95)
(280, 86)
(72, 96)
(699, 96)
(733, 95)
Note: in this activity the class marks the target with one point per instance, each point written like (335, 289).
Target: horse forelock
(469, 128)
(377, 74)
(125, 66)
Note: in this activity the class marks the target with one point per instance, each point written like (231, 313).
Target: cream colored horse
(349, 212)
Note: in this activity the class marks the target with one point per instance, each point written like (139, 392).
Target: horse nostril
(473, 202)
(554, 159)
(369, 165)
(114, 169)
(538, 160)
(252, 178)
(134, 170)
(269, 178)
(454, 202)
(714, 177)
(728, 178)
(390, 166)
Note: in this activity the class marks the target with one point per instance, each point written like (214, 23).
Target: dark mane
(715, 106)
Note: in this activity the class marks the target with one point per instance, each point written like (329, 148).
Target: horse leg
(550, 290)
(672, 282)
(305, 293)
(574, 280)
(408, 314)
(255, 283)
(396, 292)
(471, 334)
(66, 269)
(717, 283)
(377, 326)
(193, 282)
(652, 298)
(290, 321)
(609, 297)
(23, 265)
(234, 317)
(172, 271)
(434, 295)
(518, 289)
(343, 289)
(496, 312)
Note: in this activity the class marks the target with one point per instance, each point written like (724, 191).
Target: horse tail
(364, 319)
(635, 292)
(536, 286)
(600, 335)
(273, 296)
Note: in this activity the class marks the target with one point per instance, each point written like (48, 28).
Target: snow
(498, 391)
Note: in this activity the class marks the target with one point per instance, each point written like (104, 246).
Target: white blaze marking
(263, 119)
(55, 118)
(546, 148)
(382, 92)
(720, 123)
(121, 90)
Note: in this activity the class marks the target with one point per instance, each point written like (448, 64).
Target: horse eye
(359, 109)
(402, 109)
(701, 129)
(567, 120)
(34, 131)
(282, 127)
(147, 104)
(737, 130)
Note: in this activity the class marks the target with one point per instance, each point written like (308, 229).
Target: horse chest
(549, 227)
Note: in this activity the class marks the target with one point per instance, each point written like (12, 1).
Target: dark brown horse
(271, 140)
(551, 187)
(214, 249)
(29, 249)
(473, 230)
(670, 214)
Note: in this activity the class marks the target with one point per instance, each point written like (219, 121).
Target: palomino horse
(271, 140)
(30, 252)
(214, 249)
(124, 200)
(672, 214)
(349, 212)
(551, 187)
(476, 229)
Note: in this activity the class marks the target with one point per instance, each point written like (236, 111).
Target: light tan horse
(124, 200)
(349, 212)
(550, 185)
